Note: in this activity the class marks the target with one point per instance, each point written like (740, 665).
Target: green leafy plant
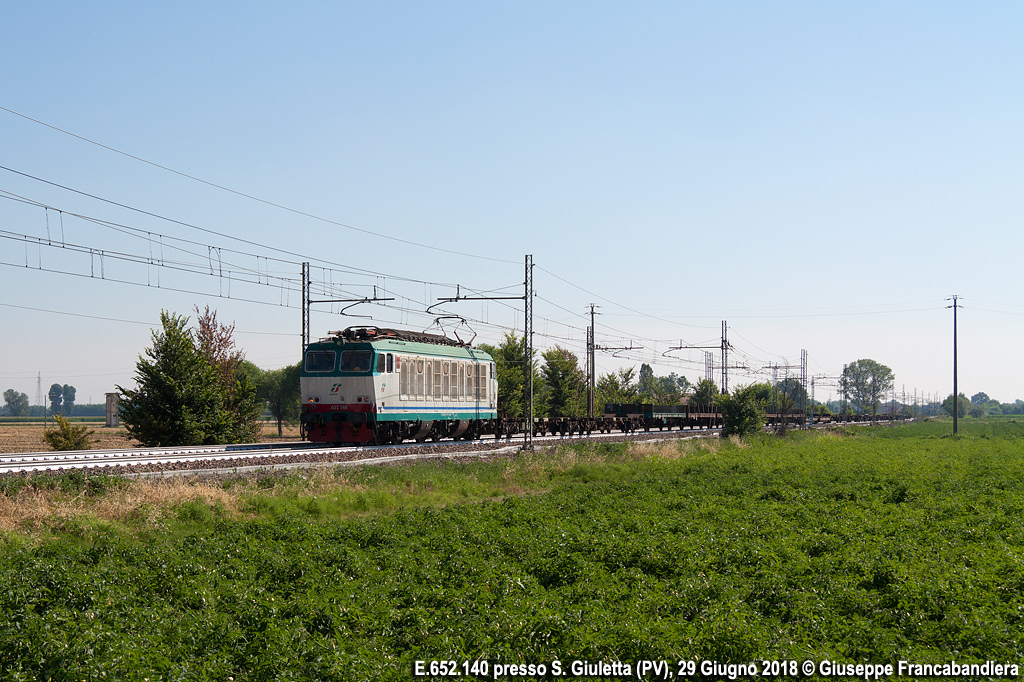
(852, 545)
(68, 437)
(743, 412)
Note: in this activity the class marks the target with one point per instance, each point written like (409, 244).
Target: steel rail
(37, 462)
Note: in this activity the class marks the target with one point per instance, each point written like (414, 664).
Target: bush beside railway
(861, 544)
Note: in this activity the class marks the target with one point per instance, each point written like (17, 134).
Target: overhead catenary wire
(217, 233)
(164, 240)
(568, 326)
(372, 273)
(255, 198)
(195, 267)
(201, 264)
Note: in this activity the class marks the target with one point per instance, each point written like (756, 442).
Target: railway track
(84, 459)
(148, 462)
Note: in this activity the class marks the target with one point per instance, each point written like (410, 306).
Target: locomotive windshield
(320, 361)
(355, 360)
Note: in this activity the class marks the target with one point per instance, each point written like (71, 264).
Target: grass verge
(853, 545)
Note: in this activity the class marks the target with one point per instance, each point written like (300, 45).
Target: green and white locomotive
(373, 385)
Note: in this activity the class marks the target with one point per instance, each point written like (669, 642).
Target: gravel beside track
(283, 459)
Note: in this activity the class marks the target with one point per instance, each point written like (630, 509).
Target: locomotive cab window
(381, 364)
(320, 361)
(356, 360)
(391, 363)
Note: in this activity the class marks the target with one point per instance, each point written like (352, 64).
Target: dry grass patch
(738, 442)
(32, 508)
(702, 445)
(156, 502)
(28, 437)
(642, 450)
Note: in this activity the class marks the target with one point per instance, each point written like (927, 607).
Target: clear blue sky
(820, 175)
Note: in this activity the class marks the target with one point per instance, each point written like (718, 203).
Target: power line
(354, 270)
(117, 319)
(255, 198)
(624, 307)
(204, 266)
(759, 317)
(61, 312)
(154, 286)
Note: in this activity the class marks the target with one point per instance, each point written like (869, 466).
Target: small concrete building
(113, 418)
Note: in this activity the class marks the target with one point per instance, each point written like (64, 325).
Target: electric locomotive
(374, 385)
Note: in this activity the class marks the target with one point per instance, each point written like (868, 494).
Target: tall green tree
(279, 388)
(618, 387)
(704, 393)
(238, 379)
(179, 398)
(963, 405)
(647, 385)
(793, 390)
(17, 403)
(68, 393)
(866, 382)
(564, 383)
(672, 388)
(510, 363)
(743, 412)
(56, 395)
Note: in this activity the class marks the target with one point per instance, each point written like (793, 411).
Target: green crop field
(862, 545)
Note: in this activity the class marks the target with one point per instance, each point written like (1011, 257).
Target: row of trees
(560, 385)
(980, 405)
(62, 401)
(195, 387)
(16, 404)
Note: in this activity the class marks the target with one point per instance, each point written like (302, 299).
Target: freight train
(372, 385)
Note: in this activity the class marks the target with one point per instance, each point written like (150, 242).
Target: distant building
(113, 418)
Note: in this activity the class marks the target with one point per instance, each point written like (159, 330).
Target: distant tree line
(980, 405)
(194, 386)
(61, 401)
(560, 384)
